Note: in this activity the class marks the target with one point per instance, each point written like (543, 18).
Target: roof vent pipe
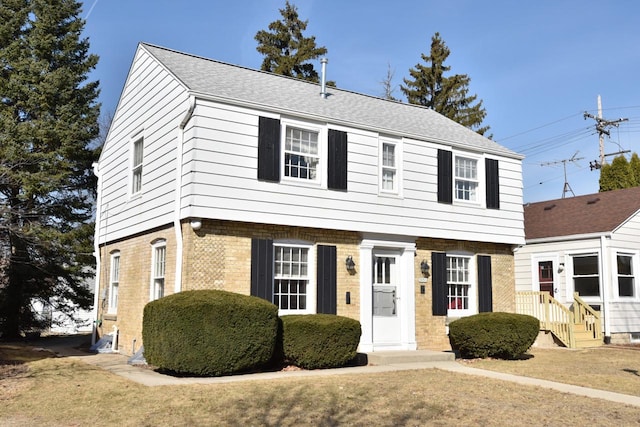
(323, 87)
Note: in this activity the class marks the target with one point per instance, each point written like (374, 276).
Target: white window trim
(321, 172)
(473, 287)
(635, 268)
(161, 243)
(137, 136)
(570, 285)
(398, 148)
(480, 189)
(112, 307)
(311, 275)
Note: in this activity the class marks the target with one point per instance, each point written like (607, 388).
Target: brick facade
(431, 331)
(218, 256)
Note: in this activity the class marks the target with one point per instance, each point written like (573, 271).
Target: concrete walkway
(117, 364)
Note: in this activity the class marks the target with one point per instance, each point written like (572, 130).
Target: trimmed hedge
(499, 335)
(315, 341)
(209, 332)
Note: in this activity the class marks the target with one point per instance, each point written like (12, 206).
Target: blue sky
(538, 66)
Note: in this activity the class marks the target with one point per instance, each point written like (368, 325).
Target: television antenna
(574, 159)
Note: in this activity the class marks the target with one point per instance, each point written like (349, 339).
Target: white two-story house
(216, 176)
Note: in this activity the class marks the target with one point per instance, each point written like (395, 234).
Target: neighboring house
(589, 245)
(221, 177)
(61, 316)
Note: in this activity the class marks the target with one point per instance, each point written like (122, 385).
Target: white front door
(386, 293)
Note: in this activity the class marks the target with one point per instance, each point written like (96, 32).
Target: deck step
(408, 356)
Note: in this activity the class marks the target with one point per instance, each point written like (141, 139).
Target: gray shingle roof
(284, 94)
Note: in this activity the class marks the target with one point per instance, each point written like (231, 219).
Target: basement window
(634, 337)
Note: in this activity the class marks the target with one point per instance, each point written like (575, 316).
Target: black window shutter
(439, 283)
(337, 164)
(485, 293)
(269, 149)
(262, 268)
(326, 280)
(445, 177)
(493, 183)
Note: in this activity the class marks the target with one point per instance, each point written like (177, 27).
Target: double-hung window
(291, 278)
(136, 165)
(586, 277)
(626, 278)
(301, 154)
(158, 264)
(459, 282)
(389, 176)
(114, 282)
(466, 179)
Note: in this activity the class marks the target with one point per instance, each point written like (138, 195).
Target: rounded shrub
(315, 341)
(499, 335)
(209, 332)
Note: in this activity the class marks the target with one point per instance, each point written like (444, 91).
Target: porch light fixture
(561, 267)
(424, 267)
(350, 264)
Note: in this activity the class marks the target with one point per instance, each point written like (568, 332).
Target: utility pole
(573, 159)
(602, 127)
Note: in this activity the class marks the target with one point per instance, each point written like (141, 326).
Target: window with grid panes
(291, 277)
(466, 179)
(301, 154)
(458, 282)
(136, 166)
(158, 270)
(114, 282)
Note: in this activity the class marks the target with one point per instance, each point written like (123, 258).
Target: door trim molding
(406, 254)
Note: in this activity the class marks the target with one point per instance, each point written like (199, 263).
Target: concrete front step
(408, 356)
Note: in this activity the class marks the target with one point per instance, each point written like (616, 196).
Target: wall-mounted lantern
(424, 267)
(350, 264)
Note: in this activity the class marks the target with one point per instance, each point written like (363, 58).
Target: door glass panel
(545, 276)
(384, 288)
(384, 301)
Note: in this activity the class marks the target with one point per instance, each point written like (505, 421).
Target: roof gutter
(177, 225)
(587, 236)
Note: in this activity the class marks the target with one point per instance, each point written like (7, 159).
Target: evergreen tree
(286, 50)
(634, 164)
(617, 175)
(48, 117)
(448, 95)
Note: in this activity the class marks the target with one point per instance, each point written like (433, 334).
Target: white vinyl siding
(225, 151)
(219, 171)
(154, 101)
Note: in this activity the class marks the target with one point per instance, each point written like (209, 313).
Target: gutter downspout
(177, 226)
(96, 252)
(606, 278)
